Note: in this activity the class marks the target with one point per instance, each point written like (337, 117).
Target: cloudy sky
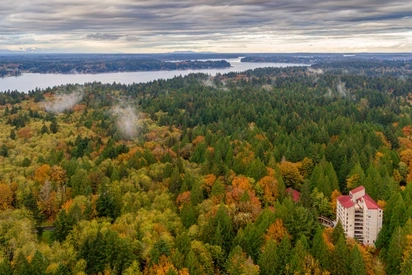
(149, 26)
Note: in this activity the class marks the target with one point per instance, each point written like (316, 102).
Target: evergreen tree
(44, 129)
(54, 127)
(12, 134)
(340, 258)
(62, 270)
(29, 201)
(22, 266)
(268, 259)
(284, 254)
(80, 183)
(160, 248)
(225, 223)
(107, 205)
(176, 181)
(357, 265)
(5, 267)
(296, 262)
(4, 150)
(196, 194)
(39, 263)
(394, 253)
(188, 214)
(93, 251)
(62, 225)
(337, 233)
(320, 250)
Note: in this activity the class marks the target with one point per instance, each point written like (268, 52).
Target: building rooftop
(370, 203)
(357, 189)
(295, 194)
(346, 201)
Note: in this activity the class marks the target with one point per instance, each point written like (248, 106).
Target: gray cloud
(102, 36)
(154, 25)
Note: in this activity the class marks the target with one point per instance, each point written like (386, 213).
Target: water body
(31, 81)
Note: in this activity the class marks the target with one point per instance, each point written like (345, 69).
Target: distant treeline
(67, 64)
(365, 64)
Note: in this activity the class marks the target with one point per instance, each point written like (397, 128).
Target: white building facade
(360, 215)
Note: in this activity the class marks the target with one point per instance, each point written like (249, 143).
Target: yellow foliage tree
(333, 199)
(352, 181)
(367, 259)
(382, 204)
(306, 167)
(163, 267)
(269, 186)
(312, 266)
(42, 173)
(406, 156)
(276, 231)
(291, 174)
(6, 196)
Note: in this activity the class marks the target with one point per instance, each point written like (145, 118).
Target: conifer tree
(62, 225)
(296, 262)
(188, 214)
(38, 263)
(340, 258)
(320, 250)
(22, 266)
(5, 267)
(394, 252)
(283, 253)
(337, 233)
(107, 205)
(268, 259)
(357, 264)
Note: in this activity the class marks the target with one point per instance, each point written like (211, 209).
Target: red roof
(346, 201)
(357, 189)
(370, 203)
(295, 194)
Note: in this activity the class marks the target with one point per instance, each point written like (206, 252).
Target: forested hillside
(15, 65)
(188, 175)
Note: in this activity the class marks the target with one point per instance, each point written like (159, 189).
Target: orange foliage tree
(334, 198)
(241, 182)
(208, 181)
(406, 156)
(24, 133)
(164, 267)
(276, 231)
(58, 174)
(42, 173)
(183, 198)
(6, 196)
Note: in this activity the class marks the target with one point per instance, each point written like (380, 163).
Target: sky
(154, 26)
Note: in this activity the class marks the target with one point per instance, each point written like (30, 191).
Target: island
(15, 65)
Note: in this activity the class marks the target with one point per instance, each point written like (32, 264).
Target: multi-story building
(360, 215)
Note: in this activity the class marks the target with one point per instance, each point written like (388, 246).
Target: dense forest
(14, 65)
(188, 175)
(365, 64)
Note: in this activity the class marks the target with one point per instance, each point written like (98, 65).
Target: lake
(31, 81)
